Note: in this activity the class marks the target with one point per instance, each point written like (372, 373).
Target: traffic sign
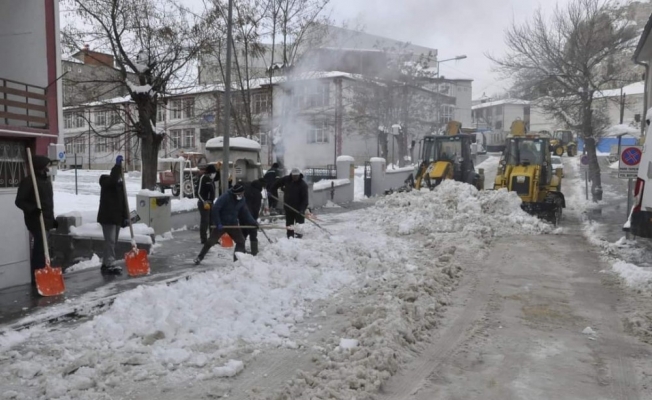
(584, 160)
(630, 157)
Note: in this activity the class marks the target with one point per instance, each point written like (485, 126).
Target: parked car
(557, 164)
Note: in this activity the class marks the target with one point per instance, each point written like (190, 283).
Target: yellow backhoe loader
(446, 157)
(562, 142)
(526, 168)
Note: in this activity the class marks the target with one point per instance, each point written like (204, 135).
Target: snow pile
(634, 276)
(623, 129)
(326, 183)
(142, 232)
(358, 184)
(190, 329)
(455, 207)
(94, 262)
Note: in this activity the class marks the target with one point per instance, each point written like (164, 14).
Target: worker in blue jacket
(228, 213)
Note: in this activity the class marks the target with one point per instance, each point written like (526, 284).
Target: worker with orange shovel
(229, 211)
(36, 198)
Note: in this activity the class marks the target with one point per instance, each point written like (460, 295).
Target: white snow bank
(634, 276)
(614, 165)
(330, 204)
(391, 168)
(152, 193)
(94, 262)
(345, 158)
(142, 232)
(326, 183)
(348, 344)
(455, 207)
(230, 369)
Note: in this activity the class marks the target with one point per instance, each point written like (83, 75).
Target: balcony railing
(23, 105)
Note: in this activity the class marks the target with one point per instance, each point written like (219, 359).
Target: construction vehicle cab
(563, 142)
(526, 168)
(447, 157)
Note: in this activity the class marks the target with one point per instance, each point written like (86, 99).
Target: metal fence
(314, 175)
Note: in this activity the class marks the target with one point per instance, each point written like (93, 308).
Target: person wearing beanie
(229, 211)
(26, 201)
(254, 199)
(295, 195)
(205, 198)
(112, 215)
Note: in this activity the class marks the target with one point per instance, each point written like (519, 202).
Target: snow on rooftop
(517, 102)
(106, 102)
(234, 143)
(634, 88)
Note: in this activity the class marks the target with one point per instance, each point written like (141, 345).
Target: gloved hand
(220, 227)
(38, 211)
(207, 205)
(125, 223)
(56, 224)
(118, 160)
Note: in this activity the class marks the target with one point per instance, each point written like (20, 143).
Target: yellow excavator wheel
(559, 151)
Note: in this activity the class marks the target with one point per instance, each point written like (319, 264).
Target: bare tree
(566, 60)
(153, 39)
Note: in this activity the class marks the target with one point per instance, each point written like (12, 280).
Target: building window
(319, 96)
(175, 138)
(76, 145)
(67, 121)
(175, 109)
(115, 117)
(499, 125)
(79, 120)
(189, 108)
(447, 113)
(101, 144)
(261, 103)
(12, 163)
(100, 118)
(318, 133)
(264, 139)
(160, 113)
(188, 138)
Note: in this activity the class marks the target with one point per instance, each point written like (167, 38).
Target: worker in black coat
(205, 198)
(26, 201)
(254, 198)
(113, 214)
(295, 195)
(271, 176)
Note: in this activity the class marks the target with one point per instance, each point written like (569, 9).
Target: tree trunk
(594, 169)
(149, 148)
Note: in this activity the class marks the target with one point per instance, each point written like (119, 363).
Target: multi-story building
(494, 119)
(90, 76)
(30, 112)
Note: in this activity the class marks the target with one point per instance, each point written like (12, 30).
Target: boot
(290, 233)
(254, 248)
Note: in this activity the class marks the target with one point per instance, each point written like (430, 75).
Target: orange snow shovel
(135, 259)
(49, 280)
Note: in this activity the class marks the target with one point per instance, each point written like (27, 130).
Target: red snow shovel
(135, 259)
(49, 280)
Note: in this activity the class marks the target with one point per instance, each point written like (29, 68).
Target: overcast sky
(453, 27)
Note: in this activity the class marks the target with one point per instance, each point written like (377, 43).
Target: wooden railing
(22, 104)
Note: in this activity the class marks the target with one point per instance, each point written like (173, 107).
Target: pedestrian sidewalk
(171, 259)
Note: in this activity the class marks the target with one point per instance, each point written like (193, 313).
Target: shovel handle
(38, 204)
(124, 186)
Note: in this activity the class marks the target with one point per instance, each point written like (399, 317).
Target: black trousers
(292, 218)
(204, 222)
(236, 235)
(252, 234)
(272, 200)
(37, 260)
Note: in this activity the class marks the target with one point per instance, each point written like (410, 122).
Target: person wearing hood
(112, 215)
(206, 196)
(229, 211)
(26, 201)
(254, 198)
(295, 195)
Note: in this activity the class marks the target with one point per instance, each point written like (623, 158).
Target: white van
(640, 218)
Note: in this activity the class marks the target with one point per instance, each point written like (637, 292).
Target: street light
(462, 57)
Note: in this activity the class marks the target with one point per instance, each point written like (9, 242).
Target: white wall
(23, 50)
(463, 92)
(540, 121)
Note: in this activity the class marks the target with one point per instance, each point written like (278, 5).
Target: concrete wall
(23, 44)
(383, 180)
(338, 193)
(463, 92)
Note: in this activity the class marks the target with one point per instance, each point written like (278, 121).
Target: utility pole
(227, 101)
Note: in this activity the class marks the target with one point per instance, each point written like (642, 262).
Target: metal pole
(76, 192)
(629, 201)
(393, 155)
(227, 101)
(586, 182)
